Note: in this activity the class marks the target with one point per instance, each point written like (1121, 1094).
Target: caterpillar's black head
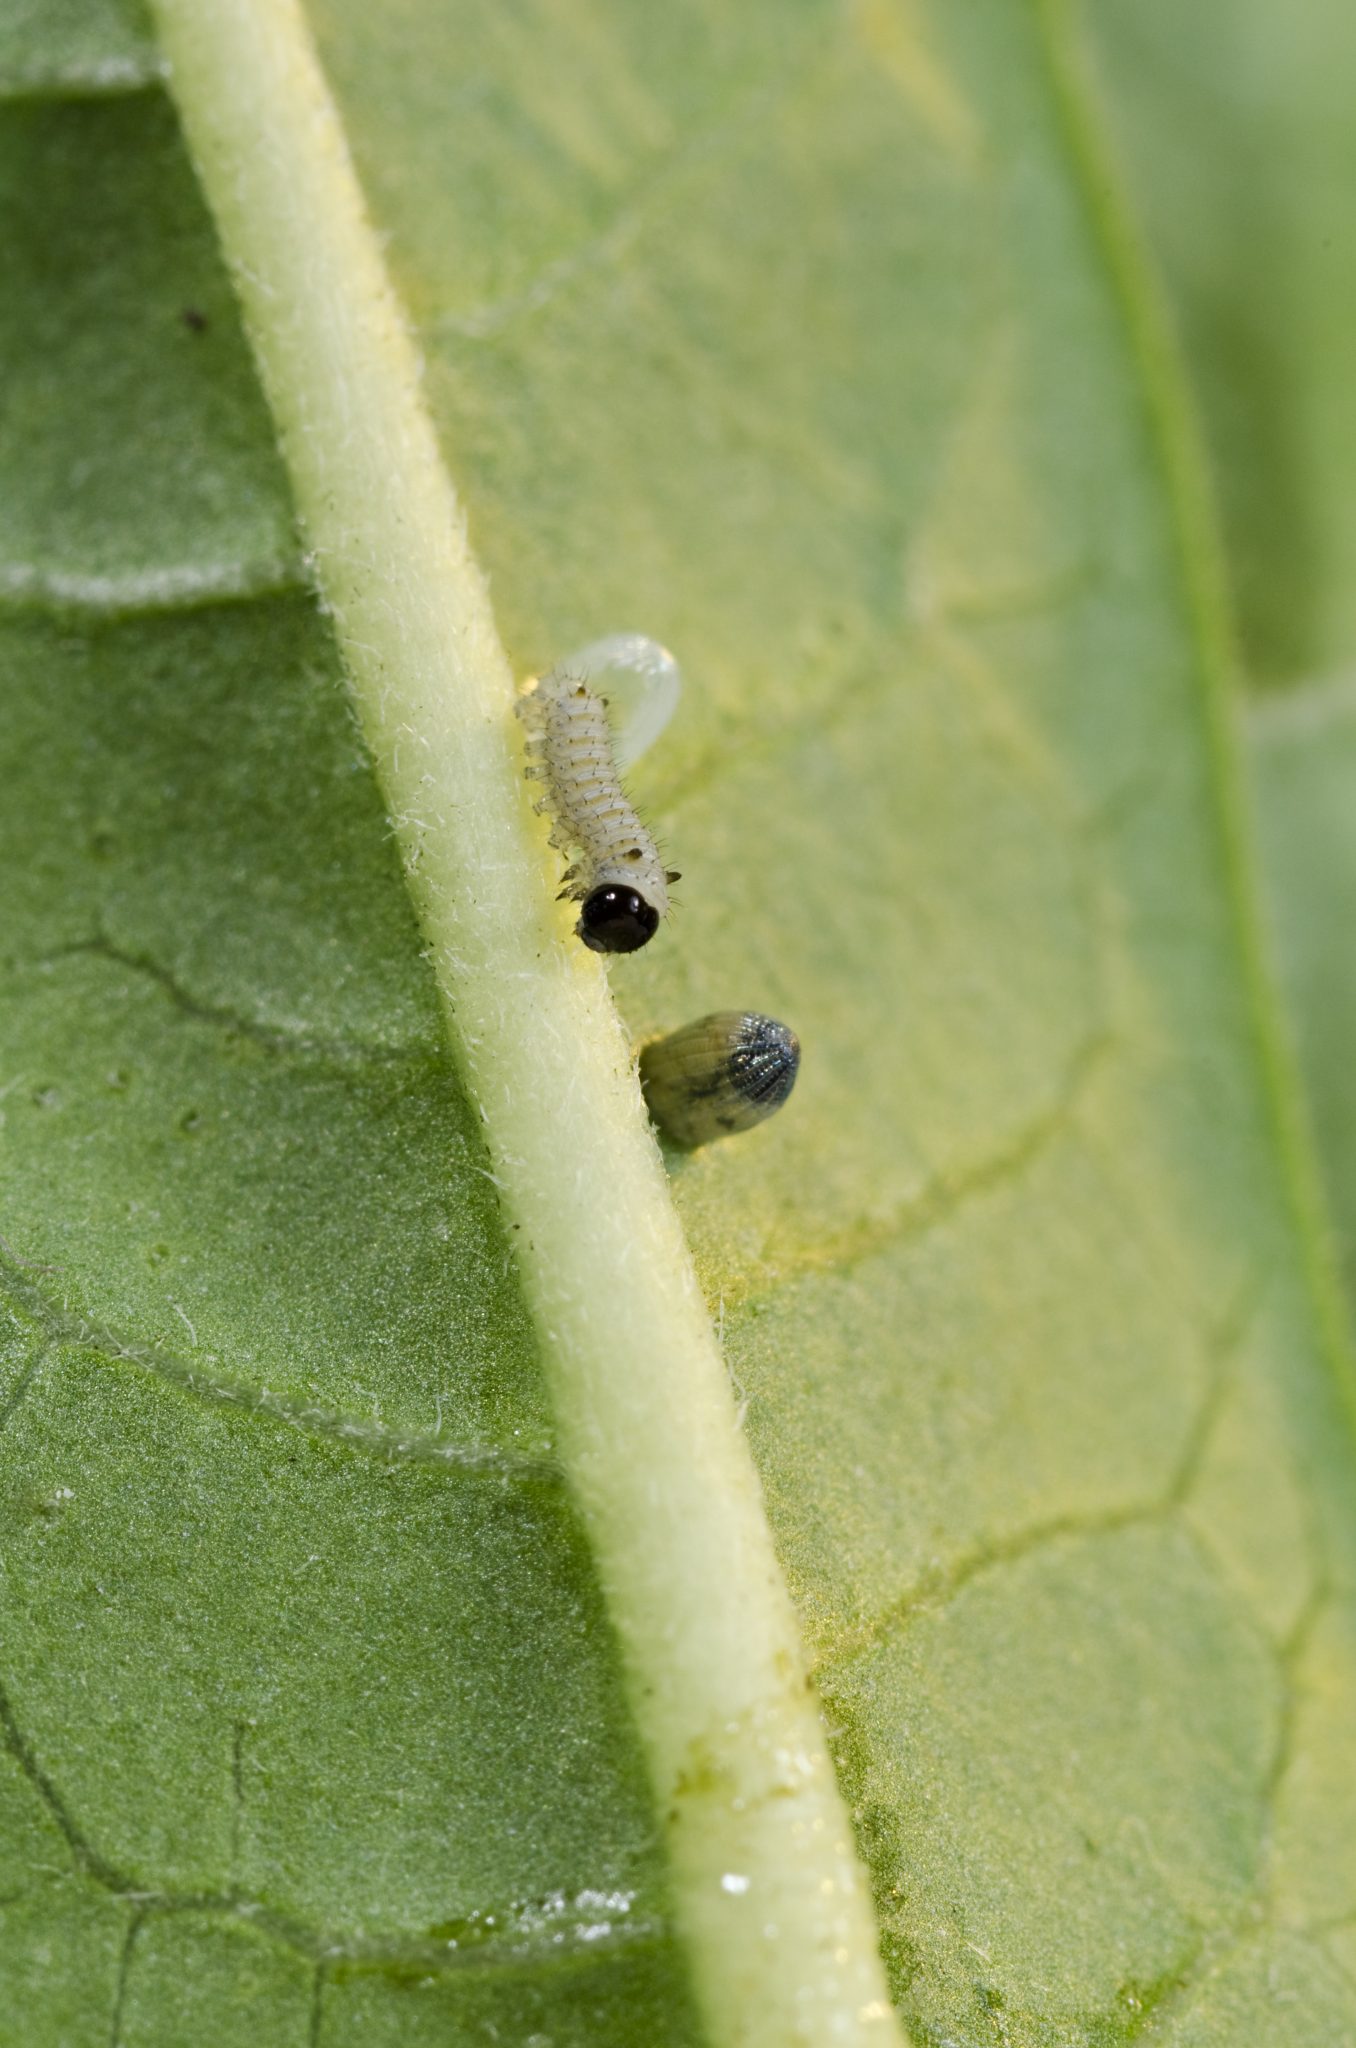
(616, 920)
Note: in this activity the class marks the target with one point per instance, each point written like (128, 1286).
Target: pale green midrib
(1179, 447)
(645, 1414)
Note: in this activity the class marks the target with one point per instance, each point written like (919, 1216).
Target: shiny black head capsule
(617, 920)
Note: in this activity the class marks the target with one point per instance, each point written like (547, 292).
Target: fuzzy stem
(766, 1884)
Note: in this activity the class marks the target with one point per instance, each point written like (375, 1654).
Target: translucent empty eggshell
(641, 682)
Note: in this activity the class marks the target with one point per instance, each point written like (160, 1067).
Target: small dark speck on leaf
(194, 319)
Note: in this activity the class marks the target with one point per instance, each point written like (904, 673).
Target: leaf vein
(944, 1195)
(108, 77)
(134, 1927)
(937, 1588)
(26, 587)
(396, 1447)
(238, 1023)
(523, 1935)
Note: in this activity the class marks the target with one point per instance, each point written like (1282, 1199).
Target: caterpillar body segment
(616, 876)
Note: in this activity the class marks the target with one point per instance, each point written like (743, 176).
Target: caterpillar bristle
(617, 875)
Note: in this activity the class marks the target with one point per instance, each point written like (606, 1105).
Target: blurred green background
(1234, 124)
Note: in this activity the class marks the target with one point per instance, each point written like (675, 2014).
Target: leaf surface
(808, 342)
(1235, 126)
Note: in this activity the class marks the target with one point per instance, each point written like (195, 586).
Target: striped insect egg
(617, 876)
(721, 1074)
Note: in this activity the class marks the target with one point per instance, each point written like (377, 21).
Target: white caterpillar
(617, 878)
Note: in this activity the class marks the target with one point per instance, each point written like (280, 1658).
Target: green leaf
(811, 342)
(1235, 124)
(1304, 765)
